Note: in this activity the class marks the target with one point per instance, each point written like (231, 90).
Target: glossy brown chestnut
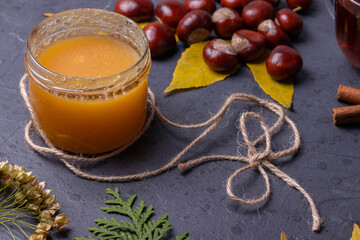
(206, 5)
(161, 39)
(170, 12)
(289, 21)
(304, 4)
(255, 12)
(237, 5)
(275, 3)
(220, 56)
(283, 62)
(194, 27)
(274, 35)
(226, 22)
(137, 10)
(248, 44)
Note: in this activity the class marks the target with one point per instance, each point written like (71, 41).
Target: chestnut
(289, 21)
(220, 56)
(206, 5)
(274, 35)
(226, 22)
(248, 44)
(194, 27)
(255, 12)
(137, 10)
(283, 62)
(170, 12)
(275, 3)
(237, 5)
(304, 4)
(161, 39)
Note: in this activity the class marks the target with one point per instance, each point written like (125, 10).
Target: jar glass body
(88, 115)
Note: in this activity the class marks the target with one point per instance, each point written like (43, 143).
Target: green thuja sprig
(22, 197)
(140, 227)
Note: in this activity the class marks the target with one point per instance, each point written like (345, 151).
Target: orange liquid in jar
(96, 125)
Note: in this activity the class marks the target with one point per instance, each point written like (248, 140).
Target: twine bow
(258, 160)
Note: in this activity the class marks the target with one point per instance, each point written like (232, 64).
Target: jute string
(255, 159)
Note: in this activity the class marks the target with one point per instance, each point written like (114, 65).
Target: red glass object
(347, 13)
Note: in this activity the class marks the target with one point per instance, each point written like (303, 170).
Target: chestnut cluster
(252, 26)
(191, 20)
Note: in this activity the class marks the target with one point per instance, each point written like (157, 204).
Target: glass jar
(88, 115)
(347, 13)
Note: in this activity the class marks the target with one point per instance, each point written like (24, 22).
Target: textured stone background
(327, 165)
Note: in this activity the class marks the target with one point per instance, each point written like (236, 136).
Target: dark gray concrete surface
(327, 165)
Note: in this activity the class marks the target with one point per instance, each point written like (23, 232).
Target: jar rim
(356, 2)
(142, 52)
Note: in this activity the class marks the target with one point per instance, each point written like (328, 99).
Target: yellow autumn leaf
(282, 91)
(48, 14)
(192, 72)
(143, 24)
(356, 233)
(283, 236)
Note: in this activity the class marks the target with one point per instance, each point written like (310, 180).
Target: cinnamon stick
(347, 115)
(348, 94)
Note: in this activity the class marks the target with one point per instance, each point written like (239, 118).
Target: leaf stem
(9, 198)
(12, 235)
(297, 9)
(21, 228)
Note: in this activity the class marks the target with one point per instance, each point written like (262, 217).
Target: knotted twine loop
(254, 159)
